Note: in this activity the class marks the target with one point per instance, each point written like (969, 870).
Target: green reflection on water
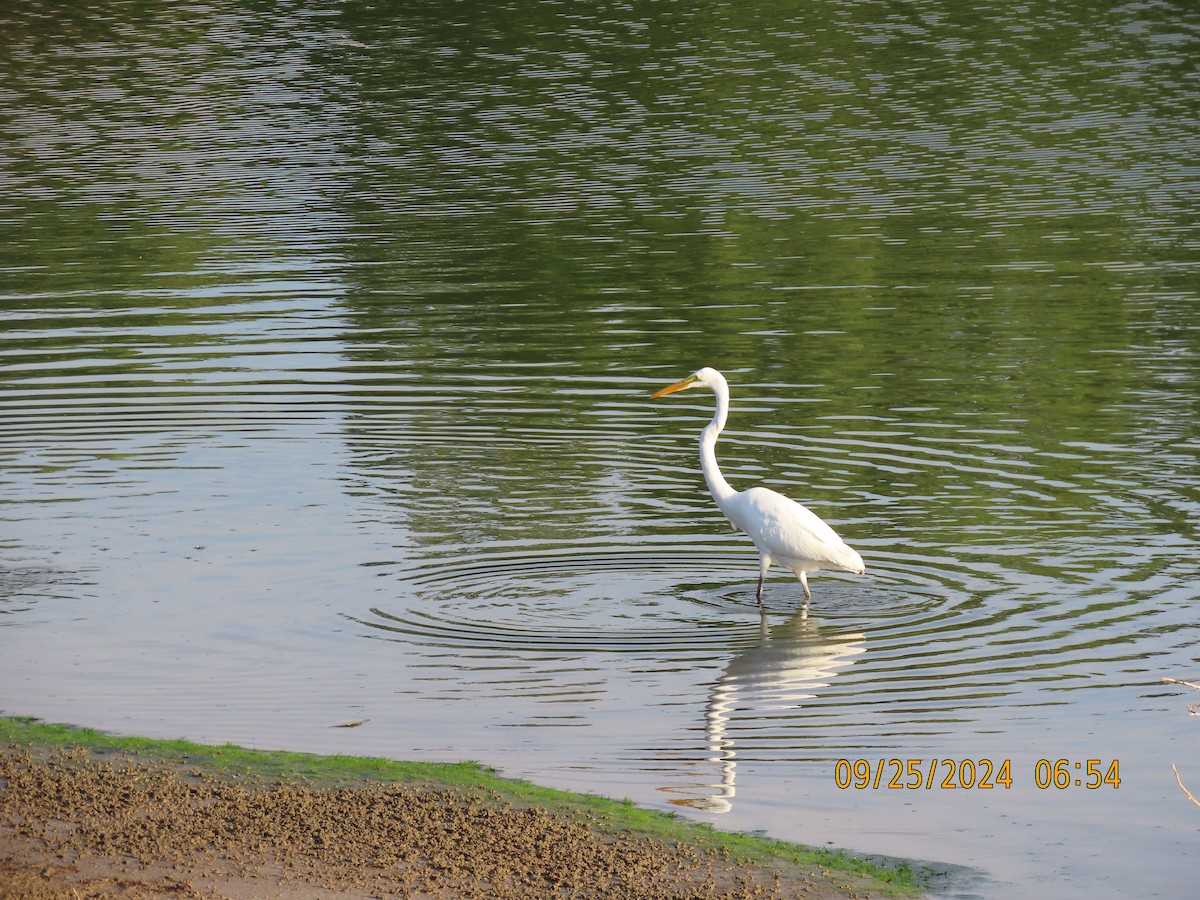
(858, 210)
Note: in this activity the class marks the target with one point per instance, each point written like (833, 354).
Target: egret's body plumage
(785, 533)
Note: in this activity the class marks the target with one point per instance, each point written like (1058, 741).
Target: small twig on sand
(1177, 681)
(1181, 787)
(1193, 710)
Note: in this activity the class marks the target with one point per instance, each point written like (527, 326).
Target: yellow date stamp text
(972, 774)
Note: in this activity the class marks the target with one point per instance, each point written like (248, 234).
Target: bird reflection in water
(787, 666)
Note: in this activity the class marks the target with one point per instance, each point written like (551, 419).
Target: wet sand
(72, 826)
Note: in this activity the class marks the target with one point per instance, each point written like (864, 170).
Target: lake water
(327, 335)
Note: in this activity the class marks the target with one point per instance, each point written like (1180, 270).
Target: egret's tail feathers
(851, 561)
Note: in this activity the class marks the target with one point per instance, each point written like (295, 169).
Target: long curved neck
(717, 485)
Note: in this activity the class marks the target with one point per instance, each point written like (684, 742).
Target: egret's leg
(764, 563)
(804, 584)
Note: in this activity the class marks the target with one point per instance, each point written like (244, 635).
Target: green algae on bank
(851, 873)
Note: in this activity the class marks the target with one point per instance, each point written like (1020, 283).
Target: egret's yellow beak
(672, 388)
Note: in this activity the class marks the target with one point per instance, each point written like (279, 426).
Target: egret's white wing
(790, 533)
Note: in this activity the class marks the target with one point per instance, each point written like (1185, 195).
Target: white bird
(784, 532)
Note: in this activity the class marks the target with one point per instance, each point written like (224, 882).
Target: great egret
(784, 532)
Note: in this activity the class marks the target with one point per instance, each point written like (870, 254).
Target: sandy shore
(72, 826)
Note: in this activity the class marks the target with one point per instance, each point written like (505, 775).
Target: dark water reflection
(327, 331)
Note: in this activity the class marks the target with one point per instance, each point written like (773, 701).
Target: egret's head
(705, 377)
